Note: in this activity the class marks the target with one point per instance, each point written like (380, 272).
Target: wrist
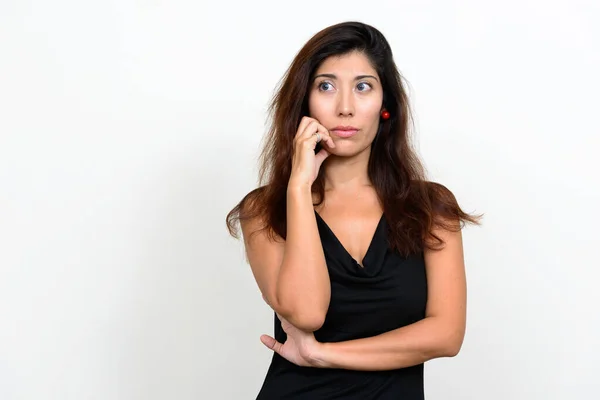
(296, 187)
(319, 357)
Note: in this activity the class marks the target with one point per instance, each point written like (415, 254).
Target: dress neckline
(362, 264)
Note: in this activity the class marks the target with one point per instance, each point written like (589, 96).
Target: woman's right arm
(292, 274)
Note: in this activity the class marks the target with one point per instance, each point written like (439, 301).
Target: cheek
(371, 111)
(318, 106)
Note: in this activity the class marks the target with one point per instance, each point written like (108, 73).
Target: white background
(128, 129)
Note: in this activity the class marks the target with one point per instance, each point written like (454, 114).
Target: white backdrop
(128, 129)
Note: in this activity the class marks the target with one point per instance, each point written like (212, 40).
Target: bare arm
(292, 274)
(439, 334)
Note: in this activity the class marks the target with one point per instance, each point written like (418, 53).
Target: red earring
(385, 114)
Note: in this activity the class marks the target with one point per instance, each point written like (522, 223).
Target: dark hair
(412, 206)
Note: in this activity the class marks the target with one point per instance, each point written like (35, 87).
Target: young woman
(359, 256)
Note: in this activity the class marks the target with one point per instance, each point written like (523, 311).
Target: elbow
(451, 345)
(305, 320)
(311, 324)
(449, 338)
(451, 350)
(446, 342)
(304, 314)
(302, 318)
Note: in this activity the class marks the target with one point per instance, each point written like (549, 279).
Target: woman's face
(346, 98)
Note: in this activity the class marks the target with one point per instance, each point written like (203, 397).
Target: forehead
(355, 63)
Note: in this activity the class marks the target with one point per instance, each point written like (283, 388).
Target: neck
(347, 173)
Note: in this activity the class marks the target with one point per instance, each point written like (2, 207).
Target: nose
(345, 103)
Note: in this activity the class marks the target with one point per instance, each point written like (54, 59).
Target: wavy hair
(412, 206)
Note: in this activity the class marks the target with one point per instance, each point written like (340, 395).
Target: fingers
(303, 123)
(311, 128)
(324, 134)
(271, 343)
(307, 129)
(321, 156)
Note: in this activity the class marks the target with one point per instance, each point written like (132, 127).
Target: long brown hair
(412, 206)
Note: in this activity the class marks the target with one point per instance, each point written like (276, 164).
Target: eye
(364, 86)
(325, 86)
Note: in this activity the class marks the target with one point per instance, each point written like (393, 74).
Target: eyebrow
(359, 77)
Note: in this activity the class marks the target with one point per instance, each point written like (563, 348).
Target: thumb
(271, 343)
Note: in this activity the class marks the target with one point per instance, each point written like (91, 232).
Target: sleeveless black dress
(389, 291)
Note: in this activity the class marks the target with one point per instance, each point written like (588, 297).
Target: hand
(300, 347)
(305, 163)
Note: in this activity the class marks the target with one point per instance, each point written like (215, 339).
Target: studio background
(128, 129)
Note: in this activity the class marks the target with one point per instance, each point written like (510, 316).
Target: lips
(344, 131)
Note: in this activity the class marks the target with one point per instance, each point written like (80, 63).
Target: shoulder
(443, 215)
(251, 200)
(440, 201)
(438, 192)
(254, 216)
(252, 206)
(433, 198)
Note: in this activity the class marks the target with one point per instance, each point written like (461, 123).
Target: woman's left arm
(439, 334)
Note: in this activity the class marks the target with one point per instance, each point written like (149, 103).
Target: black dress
(388, 292)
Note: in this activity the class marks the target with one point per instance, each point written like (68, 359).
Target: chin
(349, 149)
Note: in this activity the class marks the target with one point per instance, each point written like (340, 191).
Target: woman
(358, 255)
